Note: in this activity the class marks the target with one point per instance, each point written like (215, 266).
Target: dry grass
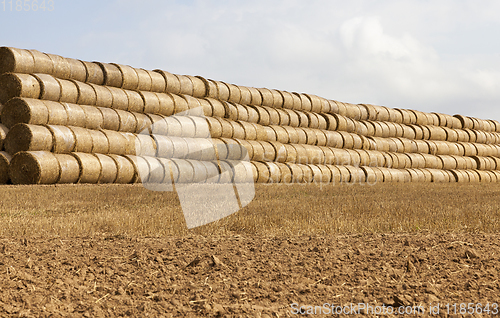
(131, 210)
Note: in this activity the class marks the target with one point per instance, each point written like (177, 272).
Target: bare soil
(247, 276)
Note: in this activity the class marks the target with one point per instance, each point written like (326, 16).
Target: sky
(434, 56)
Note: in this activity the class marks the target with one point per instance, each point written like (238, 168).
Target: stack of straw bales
(69, 121)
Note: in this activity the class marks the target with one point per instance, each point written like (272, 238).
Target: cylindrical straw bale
(264, 118)
(449, 162)
(164, 146)
(408, 132)
(145, 145)
(147, 81)
(361, 128)
(61, 67)
(26, 137)
(172, 84)
(316, 103)
(118, 143)
(370, 111)
(5, 159)
(111, 119)
(93, 117)
(310, 136)
(34, 167)
(125, 170)
(288, 100)
(281, 134)
(241, 112)
(18, 85)
(247, 147)
(274, 117)
(58, 114)
(481, 137)
(215, 127)
(336, 176)
(135, 102)
(180, 147)
(144, 122)
(69, 169)
(307, 173)
(151, 102)
(432, 162)
(277, 99)
(301, 155)
(186, 86)
(328, 155)
(218, 108)
(14, 60)
(305, 102)
(77, 70)
(269, 151)
(465, 122)
(24, 110)
(288, 118)
(437, 133)
(231, 112)
(3, 134)
(245, 95)
(263, 175)
(127, 121)
(291, 135)
(43, 63)
(238, 130)
(274, 172)
(353, 111)
(141, 168)
(382, 113)
(109, 170)
(130, 80)
(267, 97)
(105, 96)
(69, 91)
(321, 139)
(312, 119)
(357, 174)
(94, 75)
(315, 154)
(112, 75)
(86, 94)
(234, 93)
(227, 128)
(90, 167)
(63, 139)
(256, 97)
(180, 103)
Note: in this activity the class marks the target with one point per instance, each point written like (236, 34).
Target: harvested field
(112, 250)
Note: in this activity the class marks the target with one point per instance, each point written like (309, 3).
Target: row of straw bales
(75, 121)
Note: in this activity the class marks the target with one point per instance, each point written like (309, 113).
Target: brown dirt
(243, 276)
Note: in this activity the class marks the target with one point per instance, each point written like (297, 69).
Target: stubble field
(106, 251)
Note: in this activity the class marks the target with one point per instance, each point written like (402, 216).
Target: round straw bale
(83, 139)
(437, 133)
(296, 102)
(26, 137)
(77, 70)
(63, 139)
(242, 112)
(336, 175)
(213, 172)
(111, 119)
(58, 114)
(377, 159)
(305, 102)
(345, 174)
(164, 146)
(291, 153)
(463, 136)
(145, 145)
(288, 118)
(111, 97)
(465, 122)
(274, 172)
(274, 117)
(218, 108)
(166, 104)
(369, 143)
(125, 170)
(180, 103)
(127, 121)
(320, 137)
(180, 147)
(14, 60)
(264, 118)
(366, 144)
(186, 85)
(277, 99)
(215, 127)
(312, 119)
(365, 128)
(334, 139)
(69, 91)
(200, 171)
(284, 173)
(135, 102)
(230, 110)
(269, 151)
(315, 154)
(93, 117)
(395, 145)
(42, 62)
(69, 167)
(112, 74)
(94, 75)
(61, 68)
(352, 111)
(118, 143)
(86, 94)
(151, 102)
(34, 167)
(303, 119)
(441, 119)
(130, 80)
(301, 135)
(109, 169)
(307, 173)
(472, 135)
(317, 174)
(246, 95)
(316, 103)
(288, 100)
(331, 121)
(256, 153)
(480, 136)
(226, 172)
(5, 159)
(234, 93)
(18, 85)
(348, 140)
(24, 110)
(262, 172)
(238, 130)
(357, 141)
(172, 84)
(451, 134)
(246, 148)
(452, 122)
(267, 97)
(342, 157)
(194, 106)
(301, 154)
(256, 98)
(249, 130)
(370, 111)
(187, 126)
(146, 81)
(280, 150)
(104, 96)
(144, 122)
(371, 175)
(322, 123)
(141, 168)
(222, 90)
(357, 174)
(355, 159)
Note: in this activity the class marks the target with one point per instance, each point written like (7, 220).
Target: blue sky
(441, 56)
